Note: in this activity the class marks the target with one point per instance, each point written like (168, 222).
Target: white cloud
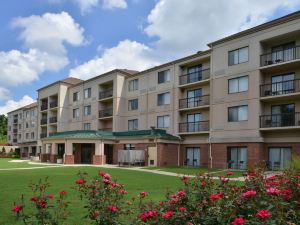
(11, 105)
(184, 27)
(4, 94)
(85, 6)
(126, 55)
(111, 4)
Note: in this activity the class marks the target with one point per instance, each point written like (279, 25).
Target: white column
(69, 148)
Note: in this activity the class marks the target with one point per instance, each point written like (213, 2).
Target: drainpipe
(178, 152)
(210, 151)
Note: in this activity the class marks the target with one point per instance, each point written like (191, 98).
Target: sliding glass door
(194, 98)
(193, 156)
(193, 120)
(283, 84)
(237, 157)
(279, 158)
(283, 115)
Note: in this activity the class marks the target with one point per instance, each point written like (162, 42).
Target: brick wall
(53, 158)
(45, 157)
(167, 154)
(69, 159)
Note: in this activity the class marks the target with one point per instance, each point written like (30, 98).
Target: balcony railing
(15, 120)
(194, 127)
(43, 121)
(280, 88)
(280, 56)
(105, 94)
(194, 77)
(194, 102)
(44, 106)
(105, 113)
(53, 104)
(280, 120)
(53, 120)
(15, 140)
(15, 130)
(43, 135)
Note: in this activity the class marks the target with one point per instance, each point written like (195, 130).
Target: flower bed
(201, 200)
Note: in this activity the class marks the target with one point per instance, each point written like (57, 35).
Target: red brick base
(69, 159)
(99, 159)
(45, 157)
(53, 158)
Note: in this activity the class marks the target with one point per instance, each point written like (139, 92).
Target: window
(27, 135)
(133, 104)
(20, 126)
(32, 135)
(87, 126)
(76, 113)
(27, 125)
(163, 99)
(133, 85)
(33, 113)
(239, 84)
(133, 124)
(9, 128)
(237, 157)
(280, 157)
(27, 114)
(238, 56)
(9, 137)
(238, 113)
(283, 84)
(193, 156)
(87, 93)
(87, 110)
(19, 137)
(283, 115)
(129, 146)
(163, 76)
(32, 123)
(76, 96)
(20, 115)
(163, 121)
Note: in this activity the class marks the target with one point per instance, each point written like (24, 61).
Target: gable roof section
(98, 134)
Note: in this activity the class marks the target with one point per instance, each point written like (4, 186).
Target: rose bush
(201, 200)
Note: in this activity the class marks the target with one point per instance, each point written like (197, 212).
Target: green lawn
(15, 183)
(183, 170)
(5, 164)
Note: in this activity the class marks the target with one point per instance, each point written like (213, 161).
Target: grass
(14, 183)
(5, 164)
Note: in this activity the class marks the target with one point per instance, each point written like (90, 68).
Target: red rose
(148, 215)
(123, 192)
(34, 199)
(50, 196)
(229, 173)
(102, 173)
(63, 193)
(143, 194)
(181, 193)
(263, 214)
(167, 214)
(185, 179)
(80, 181)
(43, 204)
(239, 221)
(112, 209)
(17, 209)
(182, 209)
(273, 191)
(214, 197)
(249, 194)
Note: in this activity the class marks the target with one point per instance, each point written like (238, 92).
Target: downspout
(210, 151)
(178, 152)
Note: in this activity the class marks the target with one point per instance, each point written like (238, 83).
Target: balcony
(280, 121)
(280, 89)
(194, 102)
(53, 104)
(44, 106)
(281, 56)
(53, 120)
(15, 140)
(106, 113)
(15, 130)
(15, 120)
(194, 127)
(106, 94)
(44, 121)
(194, 77)
(43, 135)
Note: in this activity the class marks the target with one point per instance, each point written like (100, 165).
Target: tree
(3, 128)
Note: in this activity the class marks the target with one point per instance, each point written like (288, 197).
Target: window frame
(77, 94)
(164, 73)
(133, 121)
(90, 110)
(135, 86)
(161, 94)
(163, 127)
(237, 107)
(74, 110)
(89, 93)
(130, 106)
(84, 126)
(238, 78)
(238, 49)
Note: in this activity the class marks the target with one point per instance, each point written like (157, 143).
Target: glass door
(194, 122)
(194, 98)
(283, 115)
(193, 156)
(283, 84)
(284, 52)
(238, 157)
(194, 73)
(279, 158)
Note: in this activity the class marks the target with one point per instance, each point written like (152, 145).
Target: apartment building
(233, 105)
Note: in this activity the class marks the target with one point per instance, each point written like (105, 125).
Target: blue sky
(44, 41)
